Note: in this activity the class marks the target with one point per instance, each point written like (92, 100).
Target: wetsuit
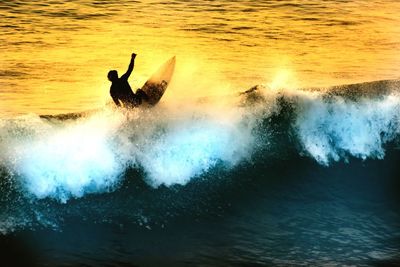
(121, 91)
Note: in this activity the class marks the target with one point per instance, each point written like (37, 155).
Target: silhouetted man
(120, 89)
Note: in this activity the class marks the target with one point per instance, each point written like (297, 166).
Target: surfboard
(156, 85)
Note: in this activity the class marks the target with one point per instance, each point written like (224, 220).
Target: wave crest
(70, 156)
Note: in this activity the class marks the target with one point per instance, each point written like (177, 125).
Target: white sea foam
(74, 157)
(332, 130)
(175, 145)
(188, 149)
(64, 159)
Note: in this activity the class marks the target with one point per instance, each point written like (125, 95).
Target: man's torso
(121, 90)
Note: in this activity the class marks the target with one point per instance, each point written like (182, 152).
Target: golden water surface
(54, 55)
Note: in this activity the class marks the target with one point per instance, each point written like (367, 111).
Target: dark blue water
(304, 214)
(307, 178)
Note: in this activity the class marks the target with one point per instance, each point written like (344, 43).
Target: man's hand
(133, 55)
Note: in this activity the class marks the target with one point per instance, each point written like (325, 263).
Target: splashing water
(332, 130)
(90, 154)
(172, 145)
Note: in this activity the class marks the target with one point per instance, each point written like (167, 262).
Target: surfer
(121, 91)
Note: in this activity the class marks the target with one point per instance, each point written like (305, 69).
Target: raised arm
(130, 68)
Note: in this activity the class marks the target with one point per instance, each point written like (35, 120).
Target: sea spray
(334, 129)
(64, 159)
(331, 124)
(174, 144)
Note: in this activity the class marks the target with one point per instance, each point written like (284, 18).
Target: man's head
(112, 75)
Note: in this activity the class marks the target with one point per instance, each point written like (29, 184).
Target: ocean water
(55, 54)
(298, 170)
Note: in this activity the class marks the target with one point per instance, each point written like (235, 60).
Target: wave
(71, 156)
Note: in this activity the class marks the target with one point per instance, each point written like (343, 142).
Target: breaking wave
(64, 157)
